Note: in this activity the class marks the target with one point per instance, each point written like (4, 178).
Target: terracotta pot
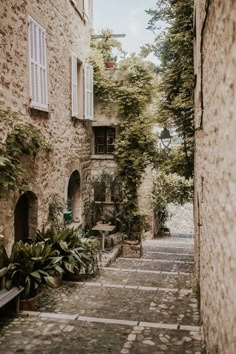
(132, 249)
(110, 64)
(57, 281)
(28, 304)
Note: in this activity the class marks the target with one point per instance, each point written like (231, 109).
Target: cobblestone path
(139, 306)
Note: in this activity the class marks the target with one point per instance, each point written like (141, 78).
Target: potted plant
(110, 61)
(31, 266)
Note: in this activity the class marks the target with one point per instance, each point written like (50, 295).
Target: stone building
(46, 81)
(105, 130)
(215, 170)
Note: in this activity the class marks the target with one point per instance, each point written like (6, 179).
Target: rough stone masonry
(215, 170)
(67, 32)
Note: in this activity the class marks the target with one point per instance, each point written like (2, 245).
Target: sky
(128, 17)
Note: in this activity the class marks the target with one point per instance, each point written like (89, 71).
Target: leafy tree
(174, 49)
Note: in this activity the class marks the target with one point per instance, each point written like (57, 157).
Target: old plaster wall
(215, 171)
(67, 32)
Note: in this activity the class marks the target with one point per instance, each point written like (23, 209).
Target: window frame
(104, 134)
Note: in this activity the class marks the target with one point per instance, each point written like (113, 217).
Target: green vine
(131, 90)
(23, 140)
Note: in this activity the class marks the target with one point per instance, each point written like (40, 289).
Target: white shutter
(37, 65)
(86, 8)
(74, 85)
(88, 92)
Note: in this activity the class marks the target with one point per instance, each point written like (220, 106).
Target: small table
(103, 228)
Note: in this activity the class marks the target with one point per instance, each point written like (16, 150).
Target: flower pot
(132, 249)
(110, 64)
(28, 304)
(57, 281)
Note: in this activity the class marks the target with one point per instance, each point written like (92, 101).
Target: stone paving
(136, 306)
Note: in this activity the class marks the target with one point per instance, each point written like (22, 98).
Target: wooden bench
(8, 295)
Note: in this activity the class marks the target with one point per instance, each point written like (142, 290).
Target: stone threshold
(169, 253)
(137, 287)
(158, 260)
(145, 271)
(77, 317)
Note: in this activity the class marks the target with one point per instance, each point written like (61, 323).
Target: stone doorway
(73, 196)
(26, 217)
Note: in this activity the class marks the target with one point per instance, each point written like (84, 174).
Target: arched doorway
(26, 216)
(73, 196)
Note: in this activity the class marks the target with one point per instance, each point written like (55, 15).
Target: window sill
(106, 203)
(102, 157)
(39, 112)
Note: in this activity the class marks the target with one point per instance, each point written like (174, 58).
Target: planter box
(132, 249)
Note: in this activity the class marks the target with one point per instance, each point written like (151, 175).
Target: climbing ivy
(131, 91)
(21, 140)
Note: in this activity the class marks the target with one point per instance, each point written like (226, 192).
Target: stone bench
(8, 295)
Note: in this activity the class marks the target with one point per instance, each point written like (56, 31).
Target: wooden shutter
(88, 90)
(74, 85)
(38, 65)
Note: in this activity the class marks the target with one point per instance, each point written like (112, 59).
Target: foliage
(22, 140)
(106, 44)
(169, 188)
(95, 211)
(174, 49)
(55, 209)
(4, 260)
(32, 265)
(174, 161)
(131, 91)
(76, 254)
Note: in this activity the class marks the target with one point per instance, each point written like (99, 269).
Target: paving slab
(149, 265)
(109, 302)
(146, 279)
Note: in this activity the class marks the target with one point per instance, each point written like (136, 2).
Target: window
(38, 65)
(81, 89)
(104, 140)
(99, 192)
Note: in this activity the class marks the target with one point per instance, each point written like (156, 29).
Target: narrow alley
(139, 306)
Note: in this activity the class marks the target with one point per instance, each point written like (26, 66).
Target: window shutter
(88, 90)
(86, 8)
(38, 65)
(74, 86)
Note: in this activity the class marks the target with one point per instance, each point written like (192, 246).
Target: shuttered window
(38, 65)
(74, 85)
(88, 92)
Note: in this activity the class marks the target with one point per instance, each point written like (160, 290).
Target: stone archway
(73, 196)
(26, 216)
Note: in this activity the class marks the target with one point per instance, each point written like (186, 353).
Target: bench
(8, 295)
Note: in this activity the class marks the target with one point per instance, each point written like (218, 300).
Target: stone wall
(67, 32)
(215, 171)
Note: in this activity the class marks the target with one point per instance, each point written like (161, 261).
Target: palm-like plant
(77, 254)
(32, 265)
